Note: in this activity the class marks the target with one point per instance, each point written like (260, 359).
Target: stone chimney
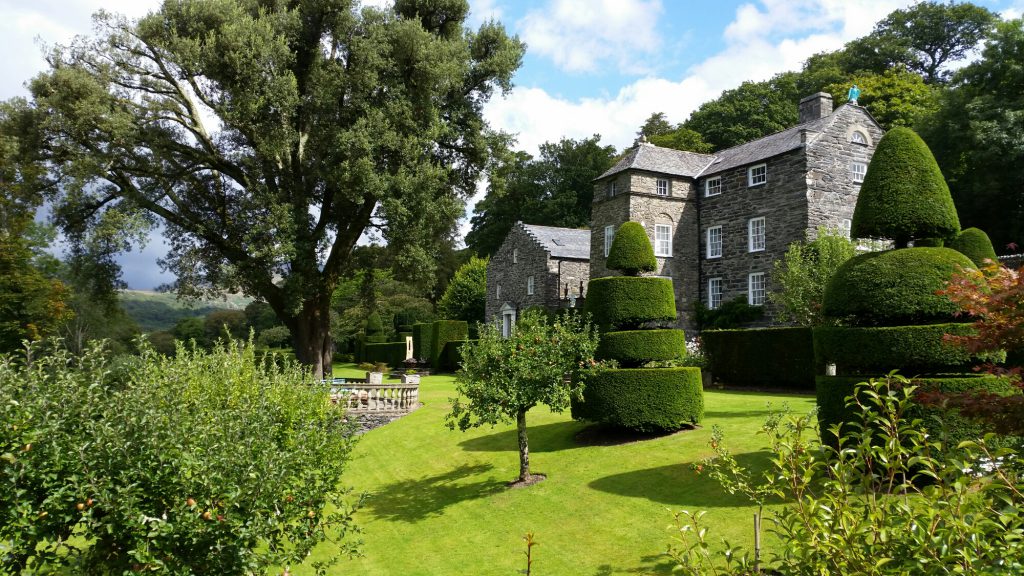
(815, 106)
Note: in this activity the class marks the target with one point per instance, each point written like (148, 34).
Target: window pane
(609, 237)
(714, 242)
(662, 240)
(713, 187)
(662, 187)
(755, 295)
(757, 234)
(714, 293)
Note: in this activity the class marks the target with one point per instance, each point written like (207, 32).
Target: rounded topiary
(644, 399)
(636, 347)
(629, 302)
(631, 251)
(976, 245)
(904, 196)
(894, 287)
(912, 350)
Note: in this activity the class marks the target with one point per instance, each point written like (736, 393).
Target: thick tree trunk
(311, 333)
(524, 447)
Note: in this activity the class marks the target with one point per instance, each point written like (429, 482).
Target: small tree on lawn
(542, 362)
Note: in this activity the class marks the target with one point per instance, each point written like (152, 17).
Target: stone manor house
(717, 222)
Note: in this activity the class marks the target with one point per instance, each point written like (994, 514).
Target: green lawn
(437, 501)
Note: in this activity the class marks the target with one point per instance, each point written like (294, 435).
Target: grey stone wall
(831, 191)
(604, 212)
(550, 274)
(781, 201)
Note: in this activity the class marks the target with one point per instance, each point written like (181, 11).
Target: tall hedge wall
(390, 353)
(422, 339)
(912, 350)
(945, 424)
(762, 358)
(644, 399)
(443, 332)
(627, 301)
(451, 358)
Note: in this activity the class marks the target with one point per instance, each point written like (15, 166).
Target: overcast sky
(592, 66)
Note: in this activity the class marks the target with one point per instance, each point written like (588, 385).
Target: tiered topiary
(883, 306)
(625, 307)
(375, 329)
(976, 245)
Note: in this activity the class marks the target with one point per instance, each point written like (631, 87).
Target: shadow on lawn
(658, 564)
(544, 438)
(415, 500)
(680, 485)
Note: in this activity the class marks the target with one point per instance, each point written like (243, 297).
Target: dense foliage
(632, 348)
(648, 400)
(975, 244)
(631, 251)
(555, 189)
(442, 332)
(894, 287)
(904, 196)
(731, 314)
(233, 122)
(802, 274)
(542, 362)
(881, 503)
(466, 296)
(761, 358)
(206, 463)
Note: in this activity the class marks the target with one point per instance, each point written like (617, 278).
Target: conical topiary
(975, 244)
(904, 196)
(374, 329)
(631, 251)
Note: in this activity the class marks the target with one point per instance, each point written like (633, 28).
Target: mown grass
(437, 501)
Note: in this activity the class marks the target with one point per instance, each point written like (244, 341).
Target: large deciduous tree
(268, 136)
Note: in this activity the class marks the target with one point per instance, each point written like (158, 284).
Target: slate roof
(693, 165)
(664, 160)
(561, 242)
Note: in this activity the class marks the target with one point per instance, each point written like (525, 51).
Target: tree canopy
(555, 189)
(466, 296)
(268, 138)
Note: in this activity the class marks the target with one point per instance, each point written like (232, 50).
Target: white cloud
(483, 10)
(582, 35)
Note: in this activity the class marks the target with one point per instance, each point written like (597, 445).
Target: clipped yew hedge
(390, 353)
(945, 424)
(912, 350)
(976, 245)
(451, 358)
(628, 302)
(643, 399)
(631, 251)
(422, 339)
(636, 347)
(443, 332)
(762, 357)
(894, 287)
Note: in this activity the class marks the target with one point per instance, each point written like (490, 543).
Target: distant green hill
(162, 310)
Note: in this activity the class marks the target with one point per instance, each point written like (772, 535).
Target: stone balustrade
(360, 397)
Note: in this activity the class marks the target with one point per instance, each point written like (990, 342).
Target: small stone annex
(537, 266)
(717, 222)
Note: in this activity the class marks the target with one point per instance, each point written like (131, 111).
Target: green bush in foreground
(205, 463)
(976, 245)
(884, 502)
(644, 399)
(631, 252)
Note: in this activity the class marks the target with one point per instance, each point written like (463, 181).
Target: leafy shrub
(635, 347)
(976, 245)
(443, 332)
(276, 337)
(390, 353)
(205, 463)
(885, 502)
(941, 423)
(761, 358)
(904, 196)
(643, 399)
(911, 349)
(732, 314)
(894, 287)
(465, 298)
(629, 302)
(631, 252)
(802, 274)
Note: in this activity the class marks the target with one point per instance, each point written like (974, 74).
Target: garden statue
(853, 94)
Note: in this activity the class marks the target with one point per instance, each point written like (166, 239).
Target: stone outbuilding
(537, 266)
